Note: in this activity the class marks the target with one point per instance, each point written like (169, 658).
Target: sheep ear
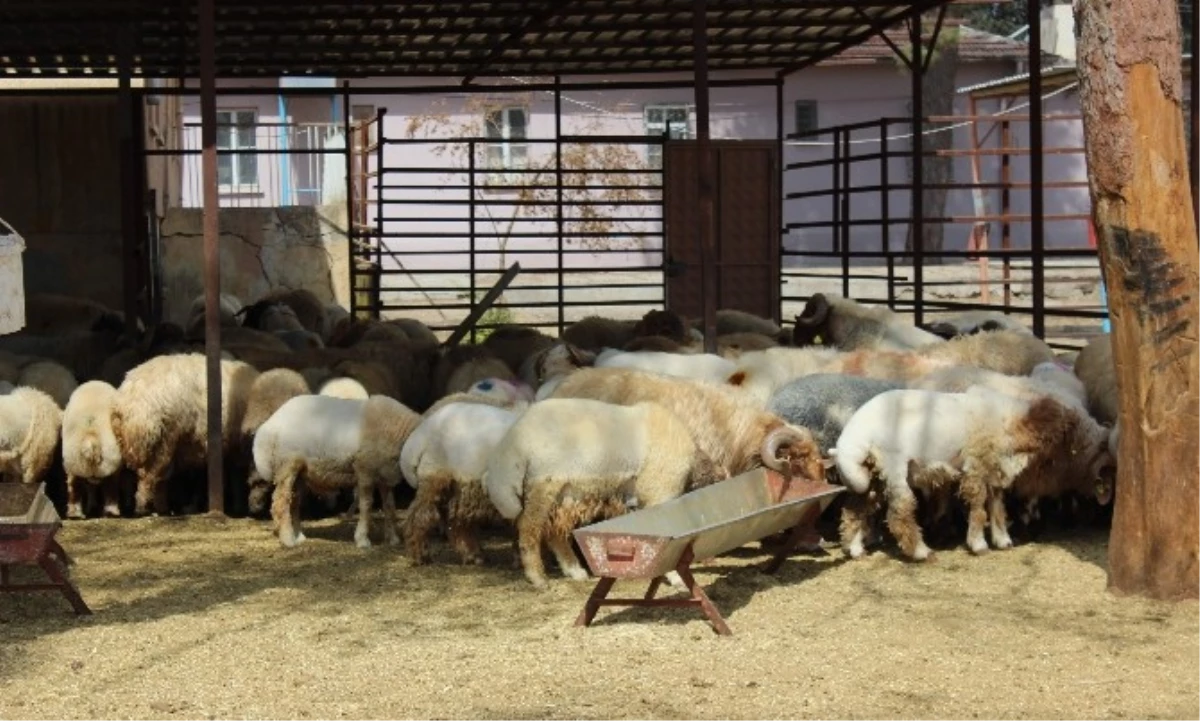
(737, 379)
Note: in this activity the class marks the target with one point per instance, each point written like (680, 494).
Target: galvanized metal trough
(651, 542)
(28, 523)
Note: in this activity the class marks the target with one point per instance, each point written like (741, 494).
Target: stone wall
(261, 249)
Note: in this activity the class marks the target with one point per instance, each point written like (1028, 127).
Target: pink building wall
(844, 94)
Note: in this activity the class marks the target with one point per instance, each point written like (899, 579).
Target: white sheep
(444, 460)
(981, 442)
(159, 418)
(605, 452)
(700, 366)
(30, 423)
(89, 448)
(1054, 383)
(329, 443)
(343, 387)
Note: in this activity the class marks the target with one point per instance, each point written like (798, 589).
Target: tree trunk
(939, 87)
(1130, 88)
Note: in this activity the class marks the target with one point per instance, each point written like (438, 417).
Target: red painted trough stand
(652, 542)
(28, 523)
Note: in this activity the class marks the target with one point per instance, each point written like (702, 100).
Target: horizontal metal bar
(830, 192)
(860, 222)
(459, 271)
(969, 254)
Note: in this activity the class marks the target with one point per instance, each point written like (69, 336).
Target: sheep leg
(390, 537)
(975, 494)
(422, 517)
(568, 563)
(902, 517)
(999, 519)
(149, 480)
(531, 530)
(285, 506)
(74, 506)
(857, 511)
(362, 531)
(112, 496)
(463, 515)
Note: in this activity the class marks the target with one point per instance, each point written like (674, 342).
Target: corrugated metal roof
(973, 46)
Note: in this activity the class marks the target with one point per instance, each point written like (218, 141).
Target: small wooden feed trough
(651, 542)
(28, 523)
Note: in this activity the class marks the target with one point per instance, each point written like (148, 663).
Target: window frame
(503, 160)
(811, 109)
(664, 126)
(237, 160)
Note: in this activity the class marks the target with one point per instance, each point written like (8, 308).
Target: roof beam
(530, 23)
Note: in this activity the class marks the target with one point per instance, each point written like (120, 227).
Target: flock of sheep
(944, 427)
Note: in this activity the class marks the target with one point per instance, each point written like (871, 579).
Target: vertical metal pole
(835, 207)
(1195, 118)
(212, 260)
(885, 186)
(471, 229)
(131, 197)
(918, 167)
(706, 175)
(352, 232)
(1006, 209)
(558, 189)
(845, 213)
(377, 294)
(1037, 207)
(780, 133)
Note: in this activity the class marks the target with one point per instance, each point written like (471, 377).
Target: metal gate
(436, 221)
(747, 233)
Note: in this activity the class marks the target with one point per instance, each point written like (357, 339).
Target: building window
(806, 116)
(237, 172)
(503, 158)
(673, 121)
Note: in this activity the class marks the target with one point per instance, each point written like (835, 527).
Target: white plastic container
(12, 280)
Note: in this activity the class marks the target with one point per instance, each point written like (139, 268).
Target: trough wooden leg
(56, 549)
(603, 586)
(55, 572)
(699, 596)
(654, 586)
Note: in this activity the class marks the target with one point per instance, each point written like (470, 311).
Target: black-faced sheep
(848, 325)
(603, 451)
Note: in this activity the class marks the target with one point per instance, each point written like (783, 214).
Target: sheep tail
(504, 480)
(91, 452)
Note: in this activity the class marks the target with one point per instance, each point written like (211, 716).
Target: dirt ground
(206, 618)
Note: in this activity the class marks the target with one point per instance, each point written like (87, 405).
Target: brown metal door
(747, 226)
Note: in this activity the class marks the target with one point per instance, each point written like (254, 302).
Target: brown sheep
(730, 427)
(515, 344)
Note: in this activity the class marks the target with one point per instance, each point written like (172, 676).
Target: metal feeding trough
(28, 523)
(651, 542)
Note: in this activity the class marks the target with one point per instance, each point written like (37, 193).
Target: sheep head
(792, 451)
(664, 323)
(812, 325)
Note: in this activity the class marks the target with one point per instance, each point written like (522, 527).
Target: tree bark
(1130, 89)
(939, 89)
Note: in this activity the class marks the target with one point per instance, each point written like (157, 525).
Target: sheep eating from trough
(603, 451)
(825, 402)
(324, 444)
(700, 366)
(729, 427)
(980, 442)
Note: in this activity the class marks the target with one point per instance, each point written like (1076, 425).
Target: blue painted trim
(285, 160)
